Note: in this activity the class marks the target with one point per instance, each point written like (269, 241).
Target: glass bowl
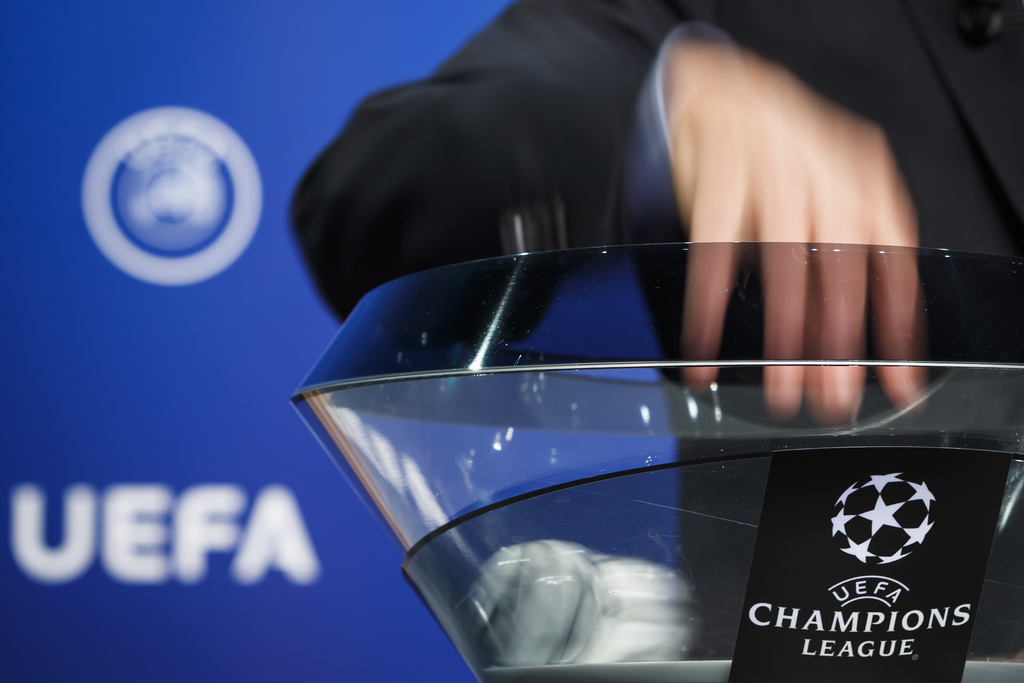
(716, 462)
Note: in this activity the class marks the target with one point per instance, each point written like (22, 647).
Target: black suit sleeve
(533, 109)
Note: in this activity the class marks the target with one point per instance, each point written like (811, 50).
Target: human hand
(759, 157)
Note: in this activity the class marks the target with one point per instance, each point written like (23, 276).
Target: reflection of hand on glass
(759, 157)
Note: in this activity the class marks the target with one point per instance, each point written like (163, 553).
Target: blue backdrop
(168, 516)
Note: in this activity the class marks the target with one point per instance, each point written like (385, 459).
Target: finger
(709, 276)
(897, 299)
(785, 268)
(717, 219)
(841, 280)
(833, 392)
(784, 221)
(783, 390)
(841, 276)
(720, 183)
(897, 303)
(709, 167)
(812, 341)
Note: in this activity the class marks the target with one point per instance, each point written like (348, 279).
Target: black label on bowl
(868, 565)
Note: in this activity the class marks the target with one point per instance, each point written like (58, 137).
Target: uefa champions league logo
(875, 621)
(171, 196)
(881, 520)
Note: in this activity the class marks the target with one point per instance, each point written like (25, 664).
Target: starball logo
(854, 576)
(881, 520)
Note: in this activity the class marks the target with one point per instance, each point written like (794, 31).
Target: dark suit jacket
(535, 111)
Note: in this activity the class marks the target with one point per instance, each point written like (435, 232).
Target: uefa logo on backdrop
(172, 196)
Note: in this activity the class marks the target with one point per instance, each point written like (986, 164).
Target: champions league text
(765, 614)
